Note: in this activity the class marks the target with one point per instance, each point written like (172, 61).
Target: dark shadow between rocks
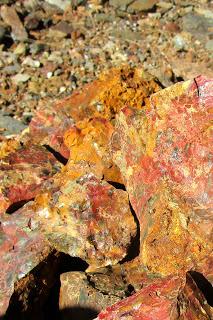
(134, 248)
(204, 285)
(56, 154)
(78, 313)
(36, 296)
(17, 205)
(117, 185)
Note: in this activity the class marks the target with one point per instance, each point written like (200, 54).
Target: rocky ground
(49, 48)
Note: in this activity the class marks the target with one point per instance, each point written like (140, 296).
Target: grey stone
(20, 78)
(179, 43)
(120, 4)
(209, 45)
(141, 5)
(11, 125)
(199, 26)
(62, 4)
(12, 69)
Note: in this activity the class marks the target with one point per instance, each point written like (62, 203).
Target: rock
(13, 69)
(32, 21)
(120, 4)
(10, 125)
(20, 49)
(157, 152)
(30, 62)
(141, 5)
(77, 292)
(209, 45)
(87, 218)
(162, 300)
(22, 248)
(199, 26)
(20, 78)
(63, 27)
(22, 174)
(2, 32)
(179, 43)
(62, 4)
(10, 17)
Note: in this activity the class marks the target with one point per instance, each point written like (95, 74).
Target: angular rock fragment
(22, 247)
(22, 173)
(10, 17)
(77, 292)
(87, 218)
(89, 145)
(164, 299)
(164, 154)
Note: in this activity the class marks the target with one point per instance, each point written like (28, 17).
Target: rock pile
(106, 204)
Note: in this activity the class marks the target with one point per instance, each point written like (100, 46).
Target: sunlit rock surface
(120, 172)
(87, 218)
(164, 154)
(22, 173)
(22, 248)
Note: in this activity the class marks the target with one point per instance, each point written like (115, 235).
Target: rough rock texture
(162, 300)
(22, 173)
(87, 218)
(22, 248)
(132, 200)
(164, 153)
(77, 292)
(102, 98)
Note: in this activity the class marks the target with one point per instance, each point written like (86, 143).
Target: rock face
(87, 218)
(163, 153)
(22, 173)
(22, 248)
(161, 300)
(129, 195)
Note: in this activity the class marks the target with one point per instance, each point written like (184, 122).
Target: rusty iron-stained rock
(164, 154)
(22, 173)
(87, 218)
(22, 248)
(164, 299)
(89, 145)
(102, 98)
(117, 133)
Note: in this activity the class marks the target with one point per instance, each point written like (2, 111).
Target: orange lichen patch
(105, 97)
(88, 143)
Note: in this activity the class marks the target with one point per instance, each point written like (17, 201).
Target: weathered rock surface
(22, 248)
(77, 292)
(163, 153)
(121, 140)
(87, 218)
(22, 173)
(163, 300)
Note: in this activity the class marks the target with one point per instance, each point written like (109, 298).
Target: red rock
(22, 247)
(163, 300)
(87, 218)
(163, 153)
(22, 173)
